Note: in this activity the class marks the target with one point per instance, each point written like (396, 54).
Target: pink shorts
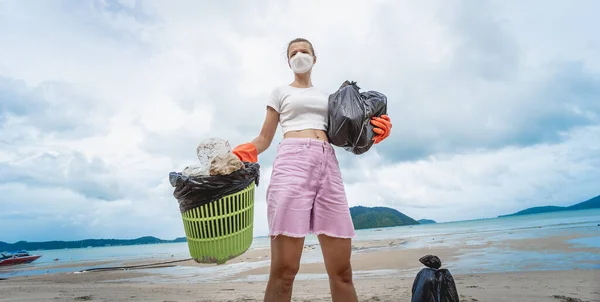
(306, 193)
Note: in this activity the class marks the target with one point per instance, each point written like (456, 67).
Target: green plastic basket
(221, 230)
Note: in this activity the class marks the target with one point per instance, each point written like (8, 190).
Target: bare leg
(337, 253)
(285, 262)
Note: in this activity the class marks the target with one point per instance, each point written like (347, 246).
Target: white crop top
(300, 108)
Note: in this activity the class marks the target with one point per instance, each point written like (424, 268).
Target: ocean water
(582, 228)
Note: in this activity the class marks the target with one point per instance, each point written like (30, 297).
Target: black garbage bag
(193, 192)
(433, 284)
(350, 113)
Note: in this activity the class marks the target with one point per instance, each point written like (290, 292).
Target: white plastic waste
(194, 171)
(215, 158)
(206, 151)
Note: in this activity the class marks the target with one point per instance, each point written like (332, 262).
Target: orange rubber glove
(246, 152)
(382, 129)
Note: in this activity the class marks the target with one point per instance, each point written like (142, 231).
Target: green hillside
(378, 217)
(52, 245)
(593, 203)
(426, 221)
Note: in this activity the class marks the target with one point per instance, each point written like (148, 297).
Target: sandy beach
(384, 271)
(554, 286)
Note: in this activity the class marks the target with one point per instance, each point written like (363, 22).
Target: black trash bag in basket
(350, 113)
(433, 284)
(194, 192)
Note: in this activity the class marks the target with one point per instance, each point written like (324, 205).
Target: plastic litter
(207, 150)
(219, 173)
(194, 170)
(225, 164)
(350, 113)
(433, 284)
(193, 192)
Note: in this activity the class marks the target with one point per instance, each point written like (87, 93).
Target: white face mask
(301, 62)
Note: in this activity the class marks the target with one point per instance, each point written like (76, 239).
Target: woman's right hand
(246, 152)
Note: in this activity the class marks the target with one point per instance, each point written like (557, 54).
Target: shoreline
(456, 253)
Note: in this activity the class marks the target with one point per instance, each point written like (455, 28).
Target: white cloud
(492, 103)
(486, 183)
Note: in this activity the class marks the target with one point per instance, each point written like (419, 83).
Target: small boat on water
(17, 258)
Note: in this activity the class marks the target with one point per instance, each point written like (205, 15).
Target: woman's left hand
(382, 129)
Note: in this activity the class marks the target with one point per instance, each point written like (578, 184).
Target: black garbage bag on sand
(193, 192)
(433, 284)
(350, 113)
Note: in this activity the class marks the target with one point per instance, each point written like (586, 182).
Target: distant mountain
(426, 221)
(593, 203)
(53, 245)
(378, 217)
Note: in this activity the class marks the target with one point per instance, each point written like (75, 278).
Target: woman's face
(300, 47)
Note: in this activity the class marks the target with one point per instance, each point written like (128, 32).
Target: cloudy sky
(495, 104)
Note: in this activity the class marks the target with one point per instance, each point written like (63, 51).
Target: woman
(306, 193)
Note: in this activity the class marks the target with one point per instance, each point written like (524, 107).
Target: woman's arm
(264, 139)
(249, 152)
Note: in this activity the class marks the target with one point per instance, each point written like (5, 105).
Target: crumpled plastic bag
(225, 164)
(350, 113)
(194, 170)
(206, 151)
(433, 284)
(193, 192)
